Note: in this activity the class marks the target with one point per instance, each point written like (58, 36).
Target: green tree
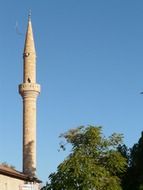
(134, 176)
(126, 153)
(93, 164)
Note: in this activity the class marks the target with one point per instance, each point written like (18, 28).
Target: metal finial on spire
(29, 15)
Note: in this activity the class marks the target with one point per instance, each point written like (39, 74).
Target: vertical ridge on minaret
(29, 91)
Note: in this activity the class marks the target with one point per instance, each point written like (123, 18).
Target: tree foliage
(134, 176)
(93, 164)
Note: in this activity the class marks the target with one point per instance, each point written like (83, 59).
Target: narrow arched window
(29, 81)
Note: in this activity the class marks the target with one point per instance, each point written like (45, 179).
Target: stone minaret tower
(29, 91)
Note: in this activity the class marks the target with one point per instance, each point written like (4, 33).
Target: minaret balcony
(29, 87)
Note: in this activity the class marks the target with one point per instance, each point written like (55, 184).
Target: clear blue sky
(90, 67)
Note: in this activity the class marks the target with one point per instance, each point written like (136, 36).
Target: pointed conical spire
(29, 40)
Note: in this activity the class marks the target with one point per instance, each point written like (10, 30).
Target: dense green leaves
(94, 163)
(133, 179)
(98, 163)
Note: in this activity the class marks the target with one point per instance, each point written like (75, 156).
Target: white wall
(8, 183)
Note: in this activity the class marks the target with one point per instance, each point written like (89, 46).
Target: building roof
(11, 172)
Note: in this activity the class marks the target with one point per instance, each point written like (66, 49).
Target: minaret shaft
(29, 74)
(29, 133)
(29, 91)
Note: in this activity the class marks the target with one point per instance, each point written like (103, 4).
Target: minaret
(29, 91)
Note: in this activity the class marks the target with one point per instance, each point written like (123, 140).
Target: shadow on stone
(28, 164)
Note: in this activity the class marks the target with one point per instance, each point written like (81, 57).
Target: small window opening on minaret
(29, 81)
